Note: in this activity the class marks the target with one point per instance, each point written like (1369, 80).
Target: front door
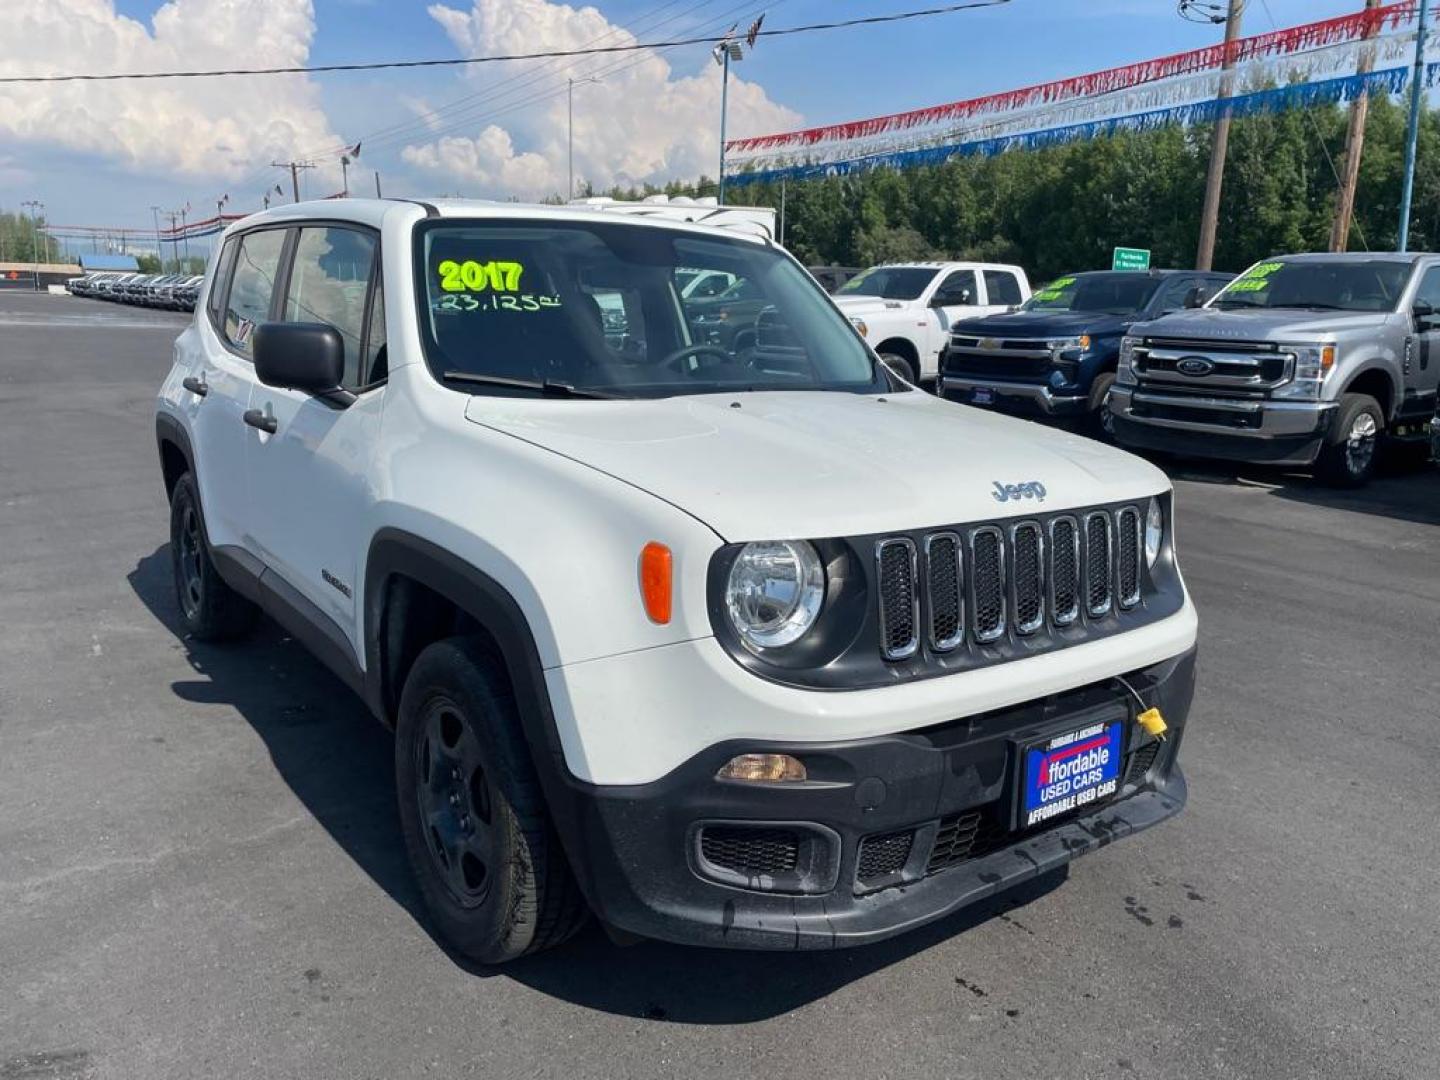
(956, 297)
(1422, 376)
(310, 477)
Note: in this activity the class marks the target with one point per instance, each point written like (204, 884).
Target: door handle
(262, 420)
(199, 387)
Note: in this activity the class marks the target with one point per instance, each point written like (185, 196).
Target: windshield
(889, 282)
(597, 310)
(1116, 294)
(1342, 285)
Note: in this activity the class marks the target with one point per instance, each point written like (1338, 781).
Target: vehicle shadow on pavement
(1403, 491)
(340, 763)
(325, 744)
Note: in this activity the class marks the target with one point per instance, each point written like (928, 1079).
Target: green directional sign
(1130, 259)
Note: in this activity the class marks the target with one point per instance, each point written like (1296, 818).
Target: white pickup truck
(904, 310)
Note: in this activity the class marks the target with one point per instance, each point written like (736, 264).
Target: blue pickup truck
(1055, 355)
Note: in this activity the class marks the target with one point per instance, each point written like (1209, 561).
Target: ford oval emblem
(1194, 366)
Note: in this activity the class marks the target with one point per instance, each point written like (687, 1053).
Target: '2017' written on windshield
(472, 276)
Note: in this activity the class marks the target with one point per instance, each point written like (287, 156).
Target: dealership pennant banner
(1317, 62)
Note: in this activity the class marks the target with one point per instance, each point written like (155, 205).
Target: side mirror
(1423, 313)
(1197, 296)
(299, 356)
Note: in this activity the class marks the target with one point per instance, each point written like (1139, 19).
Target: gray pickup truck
(1302, 360)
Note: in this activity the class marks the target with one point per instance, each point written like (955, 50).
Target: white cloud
(641, 123)
(223, 128)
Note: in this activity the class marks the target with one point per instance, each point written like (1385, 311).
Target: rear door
(310, 477)
(216, 392)
(1423, 375)
(1002, 290)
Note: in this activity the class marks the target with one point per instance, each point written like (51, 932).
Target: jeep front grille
(899, 598)
(984, 585)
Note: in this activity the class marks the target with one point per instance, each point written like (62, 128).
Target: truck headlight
(1154, 532)
(774, 592)
(1312, 364)
(859, 324)
(1125, 366)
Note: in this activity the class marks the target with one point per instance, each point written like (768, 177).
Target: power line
(458, 61)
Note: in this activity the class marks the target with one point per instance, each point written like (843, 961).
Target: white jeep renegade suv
(662, 634)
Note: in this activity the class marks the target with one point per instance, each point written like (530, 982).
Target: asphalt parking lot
(201, 872)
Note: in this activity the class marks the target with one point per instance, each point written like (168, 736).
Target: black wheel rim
(453, 795)
(192, 583)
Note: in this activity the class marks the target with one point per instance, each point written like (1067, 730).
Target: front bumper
(641, 856)
(1021, 396)
(1261, 431)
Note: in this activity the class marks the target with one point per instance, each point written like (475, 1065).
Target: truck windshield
(595, 309)
(1117, 294)
(1339, 285)
(889, 282)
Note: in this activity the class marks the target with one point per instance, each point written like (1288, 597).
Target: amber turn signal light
(656, 575)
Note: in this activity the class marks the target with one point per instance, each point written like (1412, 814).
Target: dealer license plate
(982, 395)
(1069, 771)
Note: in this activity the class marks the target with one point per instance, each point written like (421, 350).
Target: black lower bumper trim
(1262, 450)
(637, 852)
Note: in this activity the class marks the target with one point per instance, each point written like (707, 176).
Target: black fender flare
(395, 552)
(169, 429)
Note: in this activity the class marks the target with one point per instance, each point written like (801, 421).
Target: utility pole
(294, 167)
(159, 247)
(33, 206)
(1220, 141)
(1354, 144)
(173, 215)
(377, 185)
(1412, 132)
(185, 231)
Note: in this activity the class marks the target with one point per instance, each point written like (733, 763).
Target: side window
(1171, 296)
(1002, 288)
(1428, 291)
(958, 288)
(252, 283)
(377, 367)
(328, 282)
(222, 273)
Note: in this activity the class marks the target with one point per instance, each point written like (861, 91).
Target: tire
(901, 366)
(209, 608)
(1348, 456)
(1098, 418)
(479, 840)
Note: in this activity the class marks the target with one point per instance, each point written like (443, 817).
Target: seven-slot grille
(979, 584)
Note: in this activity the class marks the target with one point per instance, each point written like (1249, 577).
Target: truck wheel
(1347, 458)
(901, 366)
(480, 842)
(1101, 420)
(210, 609)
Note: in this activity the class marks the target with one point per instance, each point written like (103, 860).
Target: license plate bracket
(1072, 766)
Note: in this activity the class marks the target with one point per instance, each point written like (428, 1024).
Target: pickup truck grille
(1225, 369)
(1004, 357)
(985, 584)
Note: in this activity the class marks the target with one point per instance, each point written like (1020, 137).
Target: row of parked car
(1316, 361)
(176, 292)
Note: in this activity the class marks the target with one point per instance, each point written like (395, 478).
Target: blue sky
(822, 77)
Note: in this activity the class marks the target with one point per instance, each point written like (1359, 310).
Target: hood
(801, 464)
(1038, 324)
(869, 305)
(1270, 324)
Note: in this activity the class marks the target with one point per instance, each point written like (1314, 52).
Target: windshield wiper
(551, 387)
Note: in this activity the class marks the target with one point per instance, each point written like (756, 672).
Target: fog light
(762, 767)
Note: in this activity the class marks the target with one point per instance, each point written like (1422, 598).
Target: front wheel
(1097, 410)
(480, 842)
(901, 366)
(1347, 459)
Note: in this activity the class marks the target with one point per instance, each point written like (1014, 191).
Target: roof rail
(754, 220)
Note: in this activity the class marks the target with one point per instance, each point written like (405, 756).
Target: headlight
(1125, 366)
(774, 592)
(1154, 532)
(859, 324)
(1312, 364)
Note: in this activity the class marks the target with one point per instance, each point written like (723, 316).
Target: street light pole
(32, 205)
(1412, 132)
(159, 248)
(724, 94)
(570, 131)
